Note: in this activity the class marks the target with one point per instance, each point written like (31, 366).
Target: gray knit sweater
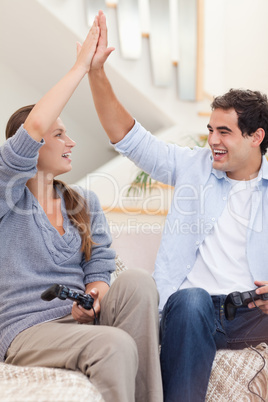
(33, 255)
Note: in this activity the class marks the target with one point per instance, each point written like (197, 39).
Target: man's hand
(84, 316)
(114, 118)
(262, 304)
(102, 51)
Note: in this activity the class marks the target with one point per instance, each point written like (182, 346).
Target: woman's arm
(50, 106)
(101, 263)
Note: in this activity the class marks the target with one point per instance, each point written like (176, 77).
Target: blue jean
(193, 327)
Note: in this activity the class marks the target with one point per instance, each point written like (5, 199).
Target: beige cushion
(233, 370)
(19, 384)
(120, 267)
(231, 373)
(38, 384)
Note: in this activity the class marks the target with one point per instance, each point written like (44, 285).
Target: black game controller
(235, 300)
(63, 293)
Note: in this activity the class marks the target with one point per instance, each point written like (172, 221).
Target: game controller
(235, 300)
(63, 293)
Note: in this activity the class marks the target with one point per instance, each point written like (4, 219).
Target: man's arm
(147, 152)
(115, 119)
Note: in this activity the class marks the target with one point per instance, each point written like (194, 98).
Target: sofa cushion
(120, 267)
(31, 384)
(232, 372)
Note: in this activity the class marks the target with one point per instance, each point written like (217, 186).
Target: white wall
(214, 33)
(136, 72)
(16, 92)
(69, 12)
(246, 62)
(36, 50)
(236, 43)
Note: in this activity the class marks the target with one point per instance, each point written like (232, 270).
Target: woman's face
(55, 155)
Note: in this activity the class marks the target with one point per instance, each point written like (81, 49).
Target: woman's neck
(41, 186)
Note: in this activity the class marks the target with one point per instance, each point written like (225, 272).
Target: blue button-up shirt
(200, 195)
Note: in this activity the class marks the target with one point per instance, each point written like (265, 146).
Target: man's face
(232, 153)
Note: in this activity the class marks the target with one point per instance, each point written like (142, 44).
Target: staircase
(165, 93)
(43, 34)
(166, 75)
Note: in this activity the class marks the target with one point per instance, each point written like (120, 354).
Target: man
(214, 241)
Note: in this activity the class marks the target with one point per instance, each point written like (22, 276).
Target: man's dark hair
(251, 108)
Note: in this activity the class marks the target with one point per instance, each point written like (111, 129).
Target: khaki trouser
(120, 356)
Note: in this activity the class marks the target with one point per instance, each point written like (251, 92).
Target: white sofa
(230, 378)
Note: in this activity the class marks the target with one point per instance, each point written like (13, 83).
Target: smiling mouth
(67, 155)
(219, 154)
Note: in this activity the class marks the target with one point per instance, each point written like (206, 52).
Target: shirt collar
(264, 168)
(218, 173)
(263, 173)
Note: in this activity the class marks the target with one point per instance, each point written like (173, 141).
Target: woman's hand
(102, 51)
(84, 316)
(97, 290)
(86, 51)
(262, 304)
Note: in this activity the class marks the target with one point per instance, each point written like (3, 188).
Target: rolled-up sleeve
(165, 162)
(149, 153)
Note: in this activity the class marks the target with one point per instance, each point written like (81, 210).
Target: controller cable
(262, 314)
(96, 320)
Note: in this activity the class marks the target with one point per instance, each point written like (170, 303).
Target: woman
(60, 235)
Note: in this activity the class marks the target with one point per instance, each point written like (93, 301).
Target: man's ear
(258, 137)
